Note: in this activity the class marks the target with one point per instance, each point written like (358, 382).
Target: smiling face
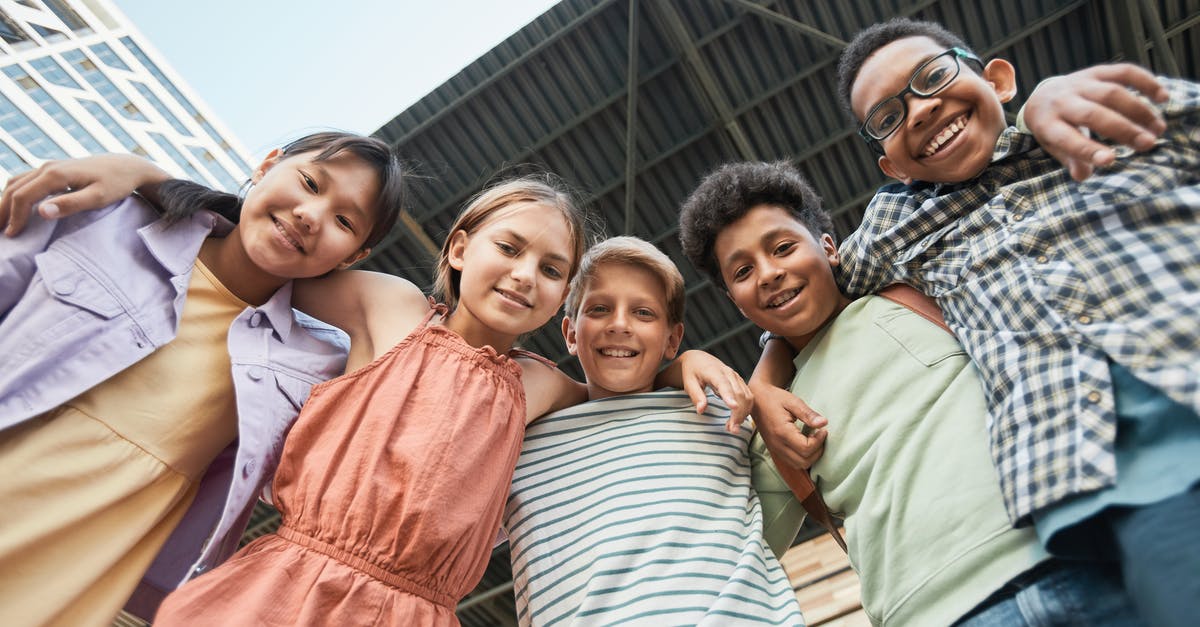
(778, 274)
(945, 138)
(515, 269)
(622, 331)
(304, 218)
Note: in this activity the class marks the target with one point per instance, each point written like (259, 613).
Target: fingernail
(49, 210)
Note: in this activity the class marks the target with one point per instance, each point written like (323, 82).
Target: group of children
(153, 367)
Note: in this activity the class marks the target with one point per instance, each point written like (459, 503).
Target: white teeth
(617, 352)
(946, 135)
(782, 298)
(291, 240)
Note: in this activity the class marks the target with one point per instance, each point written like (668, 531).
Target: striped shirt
(636, 510)
(1044, 280)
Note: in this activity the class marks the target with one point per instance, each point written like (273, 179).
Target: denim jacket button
(255, 373)
(64, 287)
(256, 319)
(248, 469)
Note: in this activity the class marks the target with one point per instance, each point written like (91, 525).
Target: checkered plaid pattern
(1044, 280)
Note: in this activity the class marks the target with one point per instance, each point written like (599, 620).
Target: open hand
(1100, 99)
(75, 184)
(700, 370)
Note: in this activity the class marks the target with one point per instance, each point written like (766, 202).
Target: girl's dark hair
(179, 199)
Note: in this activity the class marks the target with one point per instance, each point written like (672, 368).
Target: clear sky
(273, 70)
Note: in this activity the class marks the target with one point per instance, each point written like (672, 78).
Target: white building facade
(77, 78)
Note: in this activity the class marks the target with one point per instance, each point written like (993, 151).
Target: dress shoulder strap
(520, 352)
(435, 309)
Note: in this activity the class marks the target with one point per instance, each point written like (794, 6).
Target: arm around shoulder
(548, 389)
(376, 310)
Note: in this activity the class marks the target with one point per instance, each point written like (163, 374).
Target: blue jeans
(1062, 593)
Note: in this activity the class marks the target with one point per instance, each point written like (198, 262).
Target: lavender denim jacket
(85, 297)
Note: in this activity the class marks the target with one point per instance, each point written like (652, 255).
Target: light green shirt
(906, 463)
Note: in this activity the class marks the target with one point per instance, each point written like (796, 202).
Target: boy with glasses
(1078, 301)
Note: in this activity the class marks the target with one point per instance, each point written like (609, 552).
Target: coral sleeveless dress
(391, 486)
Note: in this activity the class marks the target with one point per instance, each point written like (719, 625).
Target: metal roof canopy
(633, 101)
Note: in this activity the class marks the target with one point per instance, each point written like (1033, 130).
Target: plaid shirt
(1044, 280)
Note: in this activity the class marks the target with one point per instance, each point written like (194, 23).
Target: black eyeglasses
(932, 77)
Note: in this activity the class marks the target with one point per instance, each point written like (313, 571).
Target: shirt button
(1017, 217)
(255, 373)
(248, 469)
(64, 287)
(1043, 259)
(1084, 319)
(256, 319)
(1093, 397)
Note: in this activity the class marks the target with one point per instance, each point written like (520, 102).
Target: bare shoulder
(547, 388)
(376, 309)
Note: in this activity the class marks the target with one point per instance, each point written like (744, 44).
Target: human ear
(568, 331)
(891, 170)
(1001, 75)
(830, 249)
(458, 246)
(354, 258)
(673, 341)
(273, 157)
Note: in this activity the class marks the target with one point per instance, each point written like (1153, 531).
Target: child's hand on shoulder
(776, 411)
(81, 184)
(699, 370)
(1104, 99)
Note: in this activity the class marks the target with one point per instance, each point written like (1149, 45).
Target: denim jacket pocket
(295, 390)
(70, 283)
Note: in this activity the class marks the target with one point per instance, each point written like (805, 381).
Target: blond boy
(633, 508)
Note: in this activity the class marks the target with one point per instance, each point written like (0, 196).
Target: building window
(109, 56)
(67, 15)
(210, 163)
(11, 161)
(53, 72)
(187, 105)
(110, 124)
(104, 85)
(178, 157)
(25, 132)
(10, 32)
(51, 35)
(161, 107)
(51, 106)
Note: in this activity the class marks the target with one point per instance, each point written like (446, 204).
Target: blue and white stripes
(634, 509)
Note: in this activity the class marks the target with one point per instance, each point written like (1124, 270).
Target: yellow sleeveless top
(93, 488)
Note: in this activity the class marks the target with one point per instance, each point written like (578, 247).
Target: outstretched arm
(80, 184)
(1106, 99)
(776, 410)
